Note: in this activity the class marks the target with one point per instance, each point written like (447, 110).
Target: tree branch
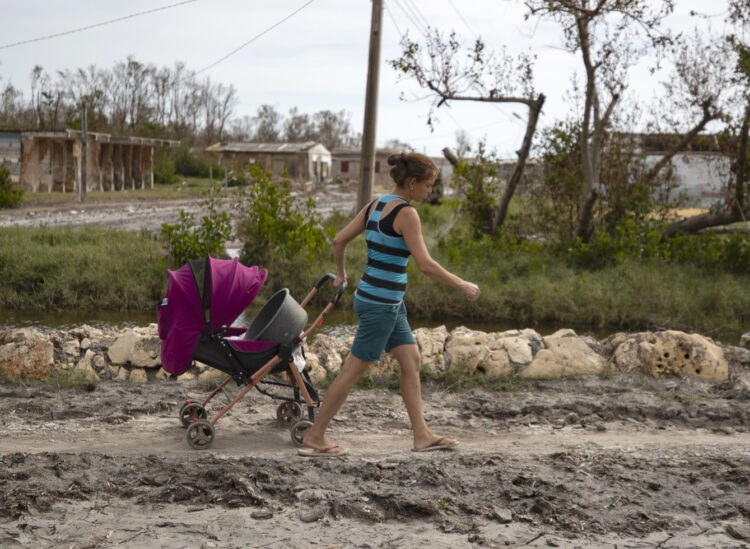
(501, 211)
(708, 116)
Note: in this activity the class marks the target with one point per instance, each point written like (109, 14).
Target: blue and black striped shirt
(384, 279)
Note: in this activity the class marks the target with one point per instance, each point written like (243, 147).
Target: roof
(238, 146)
(356, 152)
(96, 137)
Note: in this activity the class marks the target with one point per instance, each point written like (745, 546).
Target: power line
(410, 17)
(418, 12)
(460, 16)
(254, 38)
(22, 42)
(393, 20)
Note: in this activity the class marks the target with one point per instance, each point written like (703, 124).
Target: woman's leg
(335, 396)
(411, 391)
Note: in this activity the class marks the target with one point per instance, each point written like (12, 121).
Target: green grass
(523, 284)
(80, 269)
(68, 379)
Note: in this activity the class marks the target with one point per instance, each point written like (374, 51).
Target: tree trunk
(703, 221)
(688, 138)
(498, 217)
(736, 211)
(741, 171)
(450, 156)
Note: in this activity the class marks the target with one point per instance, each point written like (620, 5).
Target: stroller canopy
(204, 294)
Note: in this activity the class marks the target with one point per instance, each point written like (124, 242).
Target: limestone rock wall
(133, 355)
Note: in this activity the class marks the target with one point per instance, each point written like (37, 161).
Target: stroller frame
(193, 415)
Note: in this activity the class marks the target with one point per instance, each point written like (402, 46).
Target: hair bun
(396, 158)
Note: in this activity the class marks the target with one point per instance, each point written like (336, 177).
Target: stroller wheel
(288, 412)
(200, 434)
(191, 411)
(298, 430)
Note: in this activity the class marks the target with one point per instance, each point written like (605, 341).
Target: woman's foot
(314, 446)
(434, 442)
(330, 451)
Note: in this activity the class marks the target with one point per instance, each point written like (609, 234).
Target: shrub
(270, 224)
(164, 171)
(186, 240)
(9, 197)
(190, 165)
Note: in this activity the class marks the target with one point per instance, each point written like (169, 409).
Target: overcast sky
(315, 60)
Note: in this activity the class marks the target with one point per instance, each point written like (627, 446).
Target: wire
(254, 38)
(418, 12)
(460, 16)
(393, 20)
(411, 18)
(22, 42)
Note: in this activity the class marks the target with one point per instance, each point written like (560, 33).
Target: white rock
(122, 375)
(85, 369)
(566, 354)
(671, 354)
(143, 351)
(138, 375)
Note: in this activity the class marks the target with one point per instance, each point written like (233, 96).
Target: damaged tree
(438, 67)
(736, 209)
(610, 35)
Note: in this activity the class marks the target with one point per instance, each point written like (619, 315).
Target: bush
(708, 251)
(190, 165)
(270, 224)
(165, 172)
(186, 240)
(9, 197)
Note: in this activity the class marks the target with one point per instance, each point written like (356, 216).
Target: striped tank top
(384, 279)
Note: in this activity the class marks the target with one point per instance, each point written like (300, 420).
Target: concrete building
(700, 174)
(346, 162)
(346, 165)
(44, 161)
(309, 161)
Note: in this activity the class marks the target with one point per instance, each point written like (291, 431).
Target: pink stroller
(204, 297)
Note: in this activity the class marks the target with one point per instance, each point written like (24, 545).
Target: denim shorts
(381, 327)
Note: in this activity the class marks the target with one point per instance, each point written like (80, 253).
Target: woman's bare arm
(407, 222)
(355, 227)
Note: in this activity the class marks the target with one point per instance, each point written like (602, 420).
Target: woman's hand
(470, 290)
(339, 280)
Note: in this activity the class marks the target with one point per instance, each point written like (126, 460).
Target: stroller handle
(332, 277)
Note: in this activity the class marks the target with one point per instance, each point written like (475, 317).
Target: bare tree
(449, 73)
(333, 129)
(737, 53)
(11, 107)
(610, 35)
(47, 100)
(298, 127)
(268, 123)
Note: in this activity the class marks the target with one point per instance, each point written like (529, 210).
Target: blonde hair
(407, 165)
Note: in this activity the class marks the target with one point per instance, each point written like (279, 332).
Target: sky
(314, 59)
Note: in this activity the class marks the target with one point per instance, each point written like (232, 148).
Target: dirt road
(120, 212)
(589, 462)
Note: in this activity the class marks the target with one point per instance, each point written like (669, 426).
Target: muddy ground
(622, 461)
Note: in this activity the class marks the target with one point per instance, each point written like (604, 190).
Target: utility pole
(84, 127)
(367, 159)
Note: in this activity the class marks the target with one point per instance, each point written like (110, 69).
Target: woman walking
(393, 232)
